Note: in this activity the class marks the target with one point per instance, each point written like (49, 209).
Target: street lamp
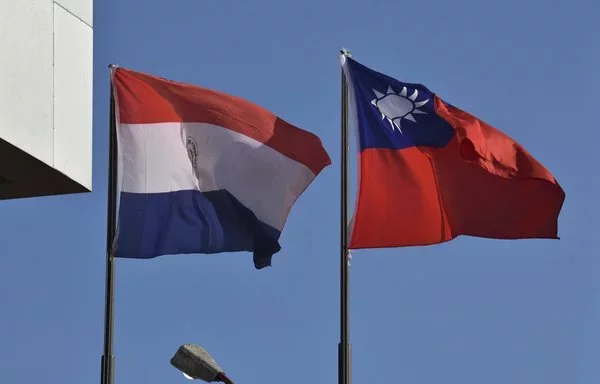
(196, 363)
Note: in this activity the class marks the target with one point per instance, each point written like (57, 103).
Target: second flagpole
(344, 347)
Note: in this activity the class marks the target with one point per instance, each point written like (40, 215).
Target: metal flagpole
(108, 359)
(344, 351)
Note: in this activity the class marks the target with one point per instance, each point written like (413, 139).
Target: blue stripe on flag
(190, 221)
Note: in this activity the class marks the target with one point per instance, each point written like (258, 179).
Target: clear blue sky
(470, 311)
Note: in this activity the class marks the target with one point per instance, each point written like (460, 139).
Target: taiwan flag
(429, 172)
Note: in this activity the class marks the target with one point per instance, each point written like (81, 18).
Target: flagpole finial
(111, 66)
(345, 52)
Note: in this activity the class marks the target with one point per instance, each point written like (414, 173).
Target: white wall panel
(46, 61)
(26, 96)
(80, 8)
(72, 97)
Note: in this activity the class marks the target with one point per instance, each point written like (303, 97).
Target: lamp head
(196, 363)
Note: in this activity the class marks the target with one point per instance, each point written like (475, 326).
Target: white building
(45, 97)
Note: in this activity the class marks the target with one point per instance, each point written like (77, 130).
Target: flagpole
(108, 360)
(344, 347)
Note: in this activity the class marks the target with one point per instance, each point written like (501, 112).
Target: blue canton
(393, 114)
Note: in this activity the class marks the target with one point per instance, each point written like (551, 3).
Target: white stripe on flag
(155, 159)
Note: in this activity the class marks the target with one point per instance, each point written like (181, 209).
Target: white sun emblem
(397, 106)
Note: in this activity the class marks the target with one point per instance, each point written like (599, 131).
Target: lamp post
(196, 363)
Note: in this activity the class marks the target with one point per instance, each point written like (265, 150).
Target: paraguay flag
(201, 171)
(429, 172)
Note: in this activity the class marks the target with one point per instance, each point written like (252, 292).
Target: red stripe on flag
(147, 99)
(481, 184)
(481, 203)
(398, 202)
